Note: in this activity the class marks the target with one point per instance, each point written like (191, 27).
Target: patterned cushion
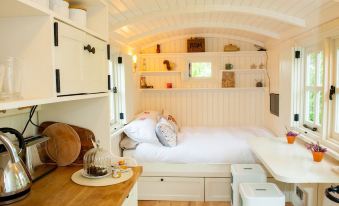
(165, 133)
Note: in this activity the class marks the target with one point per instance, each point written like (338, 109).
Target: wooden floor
(180, 203)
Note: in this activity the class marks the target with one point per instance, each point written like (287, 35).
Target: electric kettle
(15, 180)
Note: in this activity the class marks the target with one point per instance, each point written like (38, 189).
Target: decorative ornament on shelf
(228, 66)
(254, 66)
(317, 151)
(143, 83)
(231, 48)
(259, 83)
(158, 48)
(228, 80)
(261, 66)
(168, 65)
(196, 45)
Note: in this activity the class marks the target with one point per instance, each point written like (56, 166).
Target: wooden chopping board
(86, 136)
(64, 144)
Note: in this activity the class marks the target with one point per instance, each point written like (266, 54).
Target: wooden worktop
(57, 189)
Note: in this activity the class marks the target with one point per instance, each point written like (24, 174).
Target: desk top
(57, 189)
(293, 163)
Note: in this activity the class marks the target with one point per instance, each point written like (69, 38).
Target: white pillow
(166, 133)
(149, 114)
(142, 130)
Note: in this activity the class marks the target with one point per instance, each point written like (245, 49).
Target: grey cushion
(165, 133)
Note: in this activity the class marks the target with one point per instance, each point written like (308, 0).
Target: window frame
(316, 48)
(191, 68)
(334, 81)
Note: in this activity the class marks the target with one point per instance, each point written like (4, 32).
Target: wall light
(135, 59)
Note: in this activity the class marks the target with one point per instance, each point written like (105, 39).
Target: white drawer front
(132, 199)
(217, 189)
(171, 188)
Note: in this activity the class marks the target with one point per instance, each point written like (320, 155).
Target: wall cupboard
(80, 61)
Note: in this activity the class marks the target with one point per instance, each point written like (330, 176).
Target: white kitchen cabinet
(217, 189)
(95, 67)
(132, 198)
(171, 188)
(81, 62)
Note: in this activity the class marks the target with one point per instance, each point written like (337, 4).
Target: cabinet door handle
(88, 48)
(92, 50)
(332, 92)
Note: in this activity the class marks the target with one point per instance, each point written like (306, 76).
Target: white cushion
(142, 130)
(166, 133)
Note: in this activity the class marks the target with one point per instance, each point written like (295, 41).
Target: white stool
(241, 173)
(261, 194)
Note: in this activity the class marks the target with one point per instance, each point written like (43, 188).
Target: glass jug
(10, 78)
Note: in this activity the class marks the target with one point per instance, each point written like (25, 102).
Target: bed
(228, 145)
(198, 168)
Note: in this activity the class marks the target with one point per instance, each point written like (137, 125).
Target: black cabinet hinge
(296, 117)
(332, 92)
(109, 82)
(119, 60)
(297, 54)
(115, 90)
(57, 80)
(121, 115)
(108, 52)
(56, 34)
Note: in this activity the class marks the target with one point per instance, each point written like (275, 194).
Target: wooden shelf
(150, 73)
(206, 89)
(30, 8)
(14, 104)
(206, 53)
(244, 70)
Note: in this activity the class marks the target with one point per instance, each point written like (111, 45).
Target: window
(334, 88)
(200, 70)
(315, 93)
(314, 90)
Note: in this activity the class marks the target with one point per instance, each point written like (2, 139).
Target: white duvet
(205, 145)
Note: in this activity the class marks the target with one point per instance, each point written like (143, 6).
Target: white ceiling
(139, 23)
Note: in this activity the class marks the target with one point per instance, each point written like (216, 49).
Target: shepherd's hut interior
(169, 102)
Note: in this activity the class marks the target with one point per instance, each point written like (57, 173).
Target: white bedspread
(205, 145)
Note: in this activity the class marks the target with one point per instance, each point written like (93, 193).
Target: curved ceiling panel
(134, 21)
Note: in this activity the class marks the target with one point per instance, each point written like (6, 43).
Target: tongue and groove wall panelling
(208, 107)
(211, 45)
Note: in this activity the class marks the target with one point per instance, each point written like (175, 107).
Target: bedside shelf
(244, 70)
(158, 73)
(206, 89)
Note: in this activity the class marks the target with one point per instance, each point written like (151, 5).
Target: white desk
(293, 163)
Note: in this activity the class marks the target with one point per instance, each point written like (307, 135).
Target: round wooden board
(64, 144)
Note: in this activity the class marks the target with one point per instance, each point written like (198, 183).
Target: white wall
(198, 106)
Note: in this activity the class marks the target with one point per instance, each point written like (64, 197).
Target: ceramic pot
(290, 139)
(318, 156)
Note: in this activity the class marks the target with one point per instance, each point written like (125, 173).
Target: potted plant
(290, 136)
(317, 151)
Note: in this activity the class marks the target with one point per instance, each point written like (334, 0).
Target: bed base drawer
(171, 188)
(217, 189)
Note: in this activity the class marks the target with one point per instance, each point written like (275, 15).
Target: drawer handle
(161, 179)
(88, 48)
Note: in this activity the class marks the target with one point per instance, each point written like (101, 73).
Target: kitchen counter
(293, 163)
(57, 188)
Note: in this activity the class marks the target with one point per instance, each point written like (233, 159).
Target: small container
(10, 78)
(169, 85)
(228, 66)
(290, 139)
(97, 163)
(60, 7)
(79, 16)
(318, 156)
